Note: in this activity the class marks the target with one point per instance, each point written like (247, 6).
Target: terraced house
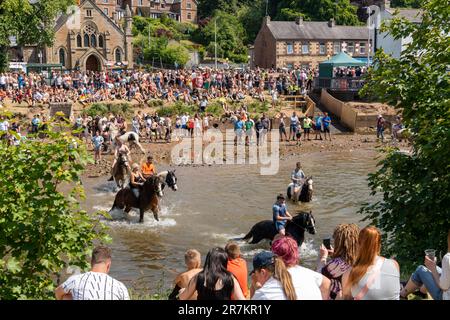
(288, 44)
(179, 10)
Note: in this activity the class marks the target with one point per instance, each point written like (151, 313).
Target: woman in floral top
(345, 238)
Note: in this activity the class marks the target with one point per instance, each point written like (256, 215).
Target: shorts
(318, 129)
(184, 126)
(293, 128)
(299, 134)
(282, 130)
(326, 129)
(280, 225)
(306, 130)
(97, 148)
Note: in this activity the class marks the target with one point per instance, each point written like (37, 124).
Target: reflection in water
(216, 204)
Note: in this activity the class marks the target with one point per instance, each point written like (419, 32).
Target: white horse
(130, 136)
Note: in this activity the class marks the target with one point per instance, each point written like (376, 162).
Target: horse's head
(154, 183)
(171, 180)
(309, 182)
(306, 220)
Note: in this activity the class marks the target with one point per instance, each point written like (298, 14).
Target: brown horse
(149, 195)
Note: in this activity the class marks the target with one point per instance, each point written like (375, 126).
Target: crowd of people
(351, 269)
(190, 86)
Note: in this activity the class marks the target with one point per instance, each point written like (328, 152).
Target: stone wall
(64, 107)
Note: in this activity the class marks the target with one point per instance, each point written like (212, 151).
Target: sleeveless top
(204, 293)
(385, 287)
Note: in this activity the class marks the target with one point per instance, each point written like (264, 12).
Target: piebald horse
(303, 193)
(130, 137)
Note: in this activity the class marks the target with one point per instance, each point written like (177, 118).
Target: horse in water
(294, 228)
(304, 194)
(121, 173)
(149, 196)
(169, 178)
(131, 137)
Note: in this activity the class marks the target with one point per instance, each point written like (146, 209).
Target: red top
(238, 267)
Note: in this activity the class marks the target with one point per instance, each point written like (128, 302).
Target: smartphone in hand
(327, 243)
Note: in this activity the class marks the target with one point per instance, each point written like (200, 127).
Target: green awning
(343, 60)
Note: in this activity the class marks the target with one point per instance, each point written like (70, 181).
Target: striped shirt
(95, 286)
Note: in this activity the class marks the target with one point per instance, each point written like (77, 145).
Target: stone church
(89, 39)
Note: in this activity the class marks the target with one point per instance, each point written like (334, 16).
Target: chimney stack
(266, 20)
(331, 23)
(299, 20)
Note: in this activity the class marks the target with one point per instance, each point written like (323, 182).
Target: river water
(215, 204)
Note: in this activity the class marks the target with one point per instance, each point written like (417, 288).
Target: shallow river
(215, 204)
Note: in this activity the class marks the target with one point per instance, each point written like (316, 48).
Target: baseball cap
(263, 259)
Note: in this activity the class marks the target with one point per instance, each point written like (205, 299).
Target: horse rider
(121, 149)
(136, 181)
(148, 168)
(298, 176)
(280, 215)
(397, 127)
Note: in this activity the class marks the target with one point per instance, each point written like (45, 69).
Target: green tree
(230, 35)
(206, 8)
(406, 3)
(250, 17)
(414, 212)
(42, 229)
(31, 24)
(319, 10)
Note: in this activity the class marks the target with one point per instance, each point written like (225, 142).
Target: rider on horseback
(136, 181)
(121, 149)
(280, 214)
(298, 176)
(148, 168)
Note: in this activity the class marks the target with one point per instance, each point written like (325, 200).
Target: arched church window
(86, 40)
(62, 56)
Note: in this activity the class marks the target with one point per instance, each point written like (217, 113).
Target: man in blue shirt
(326, 125)
(238, 130)
(35, 124)
(280, 215)
(318, 126)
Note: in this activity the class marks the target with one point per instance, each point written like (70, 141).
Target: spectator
(97, 141)
(371, 277)
(270, 279)
(293, 126)
(214, 282)
(345, 238)
(192, 259)
(282, 127)
(380, 127)
(95, 284)
(326, 121)
(318, 127)
(307, 123)
(436, 280)
(237, 266)
(310, 285)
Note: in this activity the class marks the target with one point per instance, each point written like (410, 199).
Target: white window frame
(337, 45)
(291, 45)
(189, 5)
(305, 45)
(189, 16)
(140, 3)
(362, 48)
(89, 13)
(324, 46)
(350, 46)
(106, 11)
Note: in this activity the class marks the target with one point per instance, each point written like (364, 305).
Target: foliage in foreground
(414, 212)
(42, 229)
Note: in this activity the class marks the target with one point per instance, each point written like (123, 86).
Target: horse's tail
(247, 236)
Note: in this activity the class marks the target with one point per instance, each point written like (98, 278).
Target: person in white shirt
(270, 279)
(184, 120)
(4, 124)
(436, 280)
(311, 285)
(95, 284)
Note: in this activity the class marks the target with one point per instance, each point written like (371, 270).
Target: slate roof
(314, 30)
(412, 15)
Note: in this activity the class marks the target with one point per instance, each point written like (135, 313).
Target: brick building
(286, 44)
(179, 10)
(92, 39)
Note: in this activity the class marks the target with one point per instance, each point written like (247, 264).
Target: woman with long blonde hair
(270, 279)
(343, 255)
(372, 277)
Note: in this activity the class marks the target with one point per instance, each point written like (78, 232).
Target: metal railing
(343, 84)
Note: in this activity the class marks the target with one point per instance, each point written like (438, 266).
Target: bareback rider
(136, 181)
(121, 149)
(148, 168)
(280, 215)
(298, 176)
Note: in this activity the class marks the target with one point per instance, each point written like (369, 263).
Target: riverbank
(161, 151)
